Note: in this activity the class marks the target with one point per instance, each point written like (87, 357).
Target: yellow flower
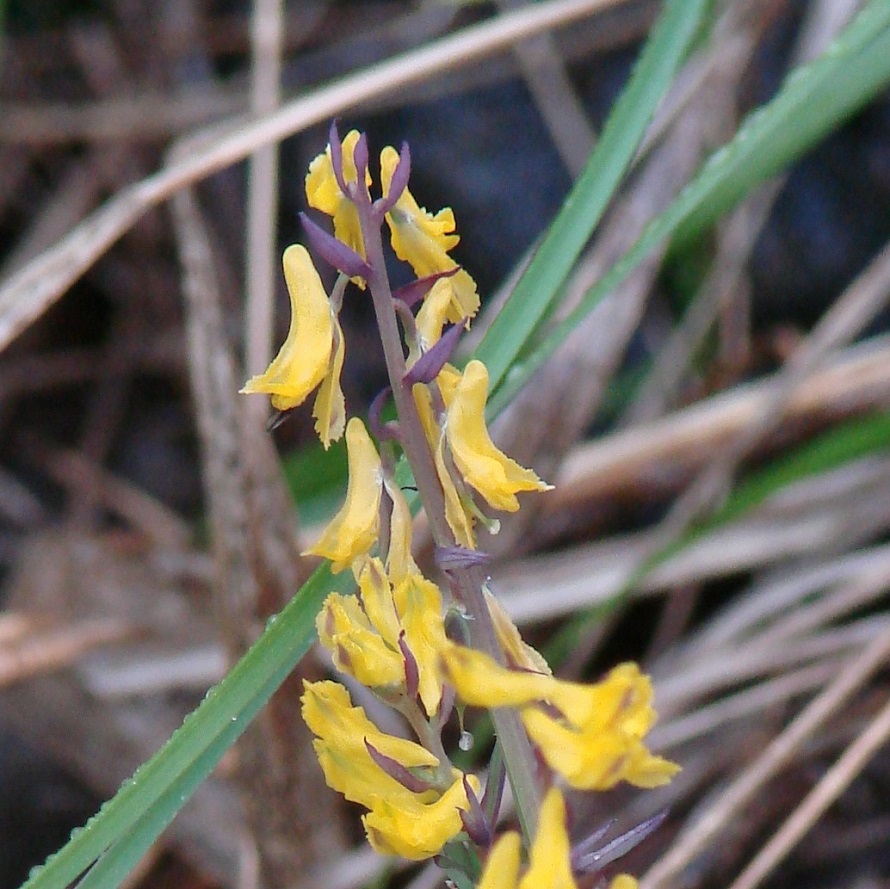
(364, 635)
(342, 731)
(323, 193)
(459, 518)
(399, 561)
(486, 469)
(549, 865)
(400, 821)
(311, 355)
(415, 829)
(353, 531)
(355, 644)
(502, 865)
(433, 314)
(423, 240)
(419, 605)
(595, 738)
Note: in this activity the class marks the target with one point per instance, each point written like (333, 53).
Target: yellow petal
(415, 830)
(459, 519)
(431, 317)
(595, 760)
(624, 881)
(353, 531)
(377, 601)
(356, 646)
(323, 193)
(481, 682)
(399, 561)
(549, 865)
(303, 360)
(502, 865)
(517, 653)
(423, 240)
(486, 469)
(330, 406)
(341, 734)
(419, 603)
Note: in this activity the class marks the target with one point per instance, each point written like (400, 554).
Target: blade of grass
(813, 99)
(195, 748)
(538, 288)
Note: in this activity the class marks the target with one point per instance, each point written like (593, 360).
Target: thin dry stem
(768, 764)
(267, 32)
(817, 801)
(33, 289)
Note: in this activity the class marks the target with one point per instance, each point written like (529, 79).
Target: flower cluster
(390, 637)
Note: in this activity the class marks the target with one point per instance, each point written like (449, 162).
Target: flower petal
(486, 469)
(416, 830)
(342, 735)
(549, 860)
(323, 193)
(399, 561)
(355, 645)
(458, 517)
(423, 240)
(330, 406)
(502, 865)
(303, 360)
(353, 531)
(419, 603)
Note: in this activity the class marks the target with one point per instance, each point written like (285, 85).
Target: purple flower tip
(334, 251)
(427, 367)
(413, 293)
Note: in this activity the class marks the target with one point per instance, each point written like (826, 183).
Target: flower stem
(518, 754)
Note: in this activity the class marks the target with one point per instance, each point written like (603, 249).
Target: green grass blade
(195, 748)
(538, 288)
(112, 868)
(813, 100)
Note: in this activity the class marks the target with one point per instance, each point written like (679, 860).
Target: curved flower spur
(390, 637)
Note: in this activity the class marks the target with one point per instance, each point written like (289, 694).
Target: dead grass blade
(33, 289)
(752, 780)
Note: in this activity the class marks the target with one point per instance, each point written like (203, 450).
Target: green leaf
(542, 281)
(812, 101)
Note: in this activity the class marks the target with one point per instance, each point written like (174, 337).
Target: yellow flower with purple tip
(312, 353)
(592, 735)
(323, 193)
(423, 240)
(415, 824)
